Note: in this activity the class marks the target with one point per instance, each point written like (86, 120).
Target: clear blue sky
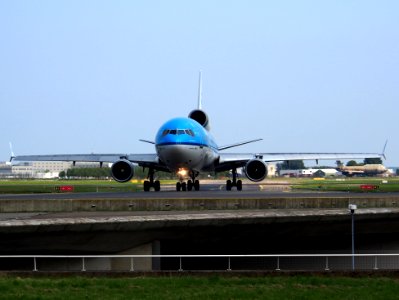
(95, 76)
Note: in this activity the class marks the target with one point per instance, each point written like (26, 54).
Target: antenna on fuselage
(200, 91)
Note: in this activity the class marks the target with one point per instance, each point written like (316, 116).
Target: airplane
(363, 170)
(184, 146)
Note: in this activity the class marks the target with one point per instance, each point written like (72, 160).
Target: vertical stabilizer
(12, 153)
(200, 91)
(383, 150)
(198, 114)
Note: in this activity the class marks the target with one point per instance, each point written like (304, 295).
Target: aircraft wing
(71, 157)
(144, 160)
(228, 161)
(270, 157)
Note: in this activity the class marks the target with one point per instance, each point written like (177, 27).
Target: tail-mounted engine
(122, 170)
(201, 117)
(256, 170)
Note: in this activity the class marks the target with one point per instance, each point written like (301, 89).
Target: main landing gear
(234, 182)
(191, 183)
(148, 184)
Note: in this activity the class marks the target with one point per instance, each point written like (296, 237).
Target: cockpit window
(189, 132)
(178, 132)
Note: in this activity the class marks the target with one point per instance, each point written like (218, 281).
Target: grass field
(200, 287)
(80, 186)
(348, 184)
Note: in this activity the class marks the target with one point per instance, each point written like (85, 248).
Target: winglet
(12, 153)
(200, 91)
(383, 150)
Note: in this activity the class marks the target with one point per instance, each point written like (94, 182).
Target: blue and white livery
(185, 147)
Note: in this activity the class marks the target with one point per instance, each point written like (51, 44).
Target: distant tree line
(86, 173)
(298, 164)
(366, 161)
(105, 172)
(291, 165)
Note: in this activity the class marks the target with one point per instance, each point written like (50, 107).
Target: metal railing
(321, 262)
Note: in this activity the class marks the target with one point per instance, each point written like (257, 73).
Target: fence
(255, 262)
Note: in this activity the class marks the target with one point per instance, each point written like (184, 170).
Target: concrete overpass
(260, 224)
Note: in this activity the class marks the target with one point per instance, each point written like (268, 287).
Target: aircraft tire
(146, 186)
(196, 185)
(178, 187)
(183, 186)
(157, 185)
(228, 185)
(189, 185)
(239, 185)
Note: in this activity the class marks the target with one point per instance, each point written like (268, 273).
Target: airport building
(272, 170)
(5, 169)
(41, 169)
(310, 173)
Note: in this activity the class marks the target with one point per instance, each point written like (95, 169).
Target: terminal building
(5, 169)
(38, 169)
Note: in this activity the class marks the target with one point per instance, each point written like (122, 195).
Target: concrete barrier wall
(68, 205)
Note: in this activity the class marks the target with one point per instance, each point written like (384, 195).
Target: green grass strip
(200, 287)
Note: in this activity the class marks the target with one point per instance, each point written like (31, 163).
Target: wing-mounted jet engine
(256, 170)
(122, 170)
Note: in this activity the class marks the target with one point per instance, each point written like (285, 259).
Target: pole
(353, 239)
(352, 209)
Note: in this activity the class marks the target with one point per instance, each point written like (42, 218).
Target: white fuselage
(182, 143)
(189, 157)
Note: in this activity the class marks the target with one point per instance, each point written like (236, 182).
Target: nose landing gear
(181, 186)
(191, 183)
